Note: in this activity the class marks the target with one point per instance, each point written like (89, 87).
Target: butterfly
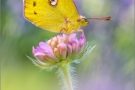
(55, 15)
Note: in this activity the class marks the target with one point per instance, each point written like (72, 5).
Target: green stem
(66, 75)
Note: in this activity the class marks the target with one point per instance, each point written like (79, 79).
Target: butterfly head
(83, 21)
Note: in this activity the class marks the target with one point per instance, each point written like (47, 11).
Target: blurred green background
(109, 67)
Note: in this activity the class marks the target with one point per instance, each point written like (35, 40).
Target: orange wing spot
(67, 21)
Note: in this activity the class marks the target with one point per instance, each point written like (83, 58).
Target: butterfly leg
(80, 30)
(60, 31)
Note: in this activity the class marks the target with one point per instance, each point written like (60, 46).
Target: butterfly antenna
(104, 18)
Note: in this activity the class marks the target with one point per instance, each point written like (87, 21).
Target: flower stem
(65, 68)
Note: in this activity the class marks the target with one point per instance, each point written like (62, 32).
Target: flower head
(61, 48)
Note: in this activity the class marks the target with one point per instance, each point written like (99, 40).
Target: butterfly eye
(53, 2)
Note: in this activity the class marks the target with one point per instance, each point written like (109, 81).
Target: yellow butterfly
(54, 15)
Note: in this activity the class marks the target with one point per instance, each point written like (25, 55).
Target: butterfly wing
(48, 16)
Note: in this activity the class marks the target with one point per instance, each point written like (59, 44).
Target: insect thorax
(72, 26)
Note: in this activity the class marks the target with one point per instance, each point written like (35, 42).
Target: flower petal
(45, 46)
(39, 54)
(63, 50)
(69, 50)
(82, 40)
(71, 37)
(34, 50)
(75, 45)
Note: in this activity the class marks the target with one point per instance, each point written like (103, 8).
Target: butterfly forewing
(49, 15)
